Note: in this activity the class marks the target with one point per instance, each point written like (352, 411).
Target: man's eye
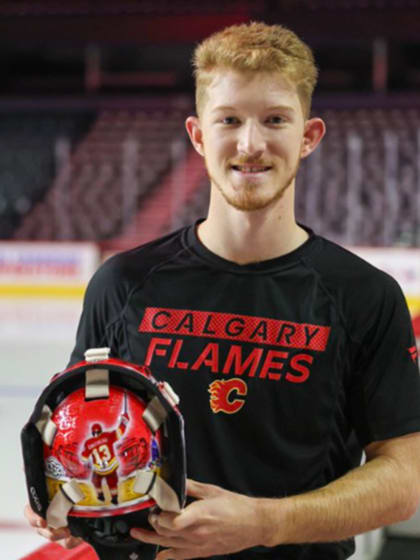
(276, 119)
(230, 120)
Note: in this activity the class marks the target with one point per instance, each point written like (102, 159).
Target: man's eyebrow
(287, 108)
(223, 108)
(281, 108)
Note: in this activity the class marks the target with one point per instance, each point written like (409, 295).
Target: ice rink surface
(36, 338)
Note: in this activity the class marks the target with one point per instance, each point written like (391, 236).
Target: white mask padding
(68, 495)
(97, 384)
(46, 426)
(170, 394)
(148, 482)
(96, 354)
(154, 414)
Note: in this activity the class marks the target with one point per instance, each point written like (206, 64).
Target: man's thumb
(200, 490)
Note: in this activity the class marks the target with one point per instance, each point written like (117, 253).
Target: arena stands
(27, 163)
(102, 180)
(101, 183)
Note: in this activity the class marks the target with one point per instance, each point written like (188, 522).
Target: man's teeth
(250, 169)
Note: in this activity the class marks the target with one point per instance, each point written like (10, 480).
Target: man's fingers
(162, 526)
(34, 519)
(54, 535)
(165, 521)
(141, 533)
(179, 554)
(70, 542)
(201, 490)
(62, 535)
(176, 522)
(154, 538)
(169, 554)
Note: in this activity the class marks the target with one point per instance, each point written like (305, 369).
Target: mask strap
(96, 380)
(155, 414)
(46, 426)
(96, 384)
(148, 482)
(68, 495)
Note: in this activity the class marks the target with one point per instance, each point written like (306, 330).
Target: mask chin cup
(110, 536)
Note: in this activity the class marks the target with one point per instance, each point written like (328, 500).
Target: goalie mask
(104, 445)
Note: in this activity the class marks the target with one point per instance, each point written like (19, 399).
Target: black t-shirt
(285, 368)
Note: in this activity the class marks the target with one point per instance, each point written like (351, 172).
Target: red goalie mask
(105, 442)
(104, 456)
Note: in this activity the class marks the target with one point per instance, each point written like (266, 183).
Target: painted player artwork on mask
(102, 445)
(99, 452)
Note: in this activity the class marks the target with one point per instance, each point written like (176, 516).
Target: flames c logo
(413, 353)
(221, 399)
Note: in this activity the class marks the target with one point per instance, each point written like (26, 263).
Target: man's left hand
(219, 522)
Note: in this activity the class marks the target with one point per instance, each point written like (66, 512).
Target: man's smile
(251, 169)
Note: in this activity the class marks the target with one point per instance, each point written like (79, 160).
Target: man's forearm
(374, 495)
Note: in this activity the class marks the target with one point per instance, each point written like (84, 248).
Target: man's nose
(251, 141)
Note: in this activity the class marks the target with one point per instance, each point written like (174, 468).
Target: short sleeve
(101, 315)
(385, 393)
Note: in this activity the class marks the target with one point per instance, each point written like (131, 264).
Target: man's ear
(192, 124)
(314, 131)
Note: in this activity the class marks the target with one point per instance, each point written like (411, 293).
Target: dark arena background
(95, 159)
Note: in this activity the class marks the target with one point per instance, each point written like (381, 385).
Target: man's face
(252, 133)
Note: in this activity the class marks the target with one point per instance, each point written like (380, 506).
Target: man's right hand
(61, 536)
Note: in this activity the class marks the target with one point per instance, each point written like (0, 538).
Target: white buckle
(169, 393)
(97, 354)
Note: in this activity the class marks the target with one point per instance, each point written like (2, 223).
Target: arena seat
(358, 188)
(27, 163)
(121, 158)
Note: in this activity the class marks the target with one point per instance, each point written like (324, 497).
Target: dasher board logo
(242, 346)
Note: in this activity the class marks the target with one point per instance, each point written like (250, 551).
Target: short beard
(248, 200)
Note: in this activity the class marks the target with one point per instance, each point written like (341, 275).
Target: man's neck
(247, 237)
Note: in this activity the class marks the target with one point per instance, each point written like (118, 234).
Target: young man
(288, 352)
